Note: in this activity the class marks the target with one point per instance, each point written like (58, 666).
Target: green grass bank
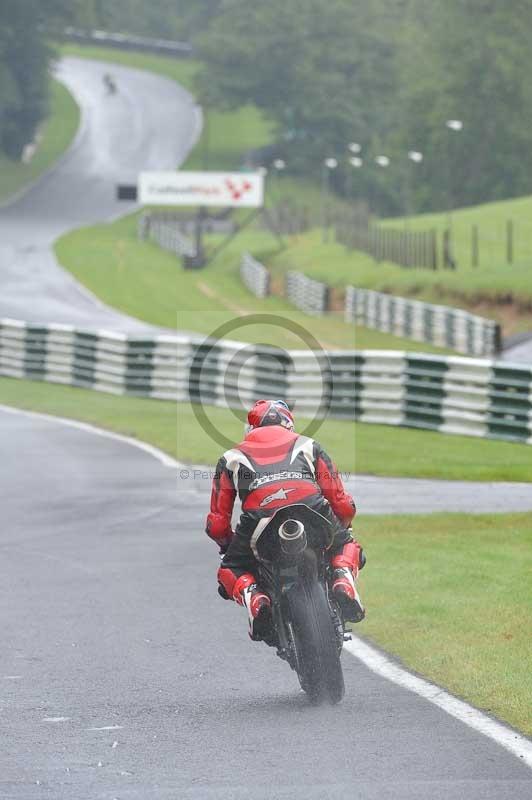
(496, 291)
(357, 447)
(148, 283)
(449, 595)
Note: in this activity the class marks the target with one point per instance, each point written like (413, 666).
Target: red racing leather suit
(272, 468)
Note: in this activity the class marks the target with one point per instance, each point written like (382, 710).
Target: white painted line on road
(56, 719)
(377, 662)
(163, 458)
(12, 677)
(107, 728)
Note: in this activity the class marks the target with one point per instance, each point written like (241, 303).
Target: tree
(168, 19)
(465, 59)
(387, 74)
(318, 76)
(24, 62)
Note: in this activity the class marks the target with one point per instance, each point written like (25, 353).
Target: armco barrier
(166, 234)
(450, 394)
(255, 276)
(308, 295)
(125, 41)
(186, 224)
(443, 326)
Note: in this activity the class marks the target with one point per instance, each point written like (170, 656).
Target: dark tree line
(28, 26)
(386, 74)
(170, 19)
(24, 60)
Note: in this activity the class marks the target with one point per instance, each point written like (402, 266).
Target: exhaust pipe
(293, 537)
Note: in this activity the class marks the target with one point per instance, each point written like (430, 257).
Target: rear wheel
(318, 660)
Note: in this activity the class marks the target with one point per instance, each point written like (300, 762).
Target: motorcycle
(291, 549)
(110, 84)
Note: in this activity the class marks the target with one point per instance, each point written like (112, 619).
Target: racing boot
(259, 608)
(346, 565)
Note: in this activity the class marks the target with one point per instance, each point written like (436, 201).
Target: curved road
(127, 677)
(123, 675)
(520, 352)
(151, 123)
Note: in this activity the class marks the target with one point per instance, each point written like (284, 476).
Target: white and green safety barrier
(443, 326)
(452, 394)
(310, 296)
(255, 276)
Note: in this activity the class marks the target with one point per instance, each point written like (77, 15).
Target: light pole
(455, 126)
(263, 171)
(279, 166)
(382, 161)
(415, 157)
(328, 165)
(356, 162)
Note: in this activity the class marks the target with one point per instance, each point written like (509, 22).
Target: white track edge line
(163, 458)
(376, 661)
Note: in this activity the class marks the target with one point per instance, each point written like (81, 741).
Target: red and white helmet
(270, 412)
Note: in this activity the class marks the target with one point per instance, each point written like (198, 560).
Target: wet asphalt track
(127, 677)
(151, 123)
(123, 675)
(519, 353)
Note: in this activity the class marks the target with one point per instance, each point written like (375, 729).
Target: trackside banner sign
(235, 189)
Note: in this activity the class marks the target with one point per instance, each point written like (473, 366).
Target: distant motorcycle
(291, 548)
(110, 84)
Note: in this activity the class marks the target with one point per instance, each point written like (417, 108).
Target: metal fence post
(474, 246)
(510, 242)
(434, 250)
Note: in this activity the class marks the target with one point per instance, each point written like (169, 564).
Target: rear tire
(318, 668)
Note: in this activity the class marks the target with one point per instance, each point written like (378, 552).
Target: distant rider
(274, 467)
(109, 83)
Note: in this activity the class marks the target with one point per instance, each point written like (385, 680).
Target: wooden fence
(406, 248)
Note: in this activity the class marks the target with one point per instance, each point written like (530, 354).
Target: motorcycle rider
(109, 83)
(274, 467)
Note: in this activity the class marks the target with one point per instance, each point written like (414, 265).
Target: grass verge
(449, 594)
(146, 282)
(491, 220)
(373, 449)
(57, 133)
